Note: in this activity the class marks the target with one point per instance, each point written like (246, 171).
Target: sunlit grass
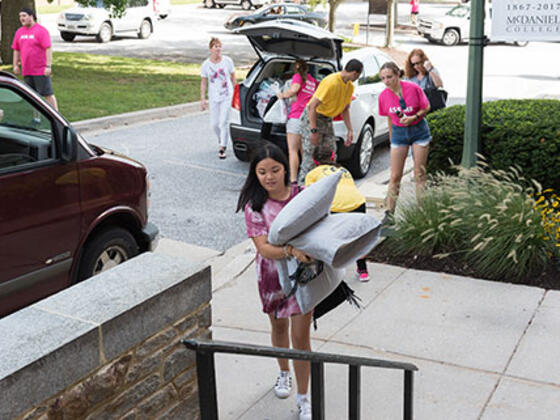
(90, 86)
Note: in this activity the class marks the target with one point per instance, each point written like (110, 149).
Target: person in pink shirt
(303, 86)
(414, 10)
(405, 105)
(33, 51)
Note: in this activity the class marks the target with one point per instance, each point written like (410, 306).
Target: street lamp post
(471, 140)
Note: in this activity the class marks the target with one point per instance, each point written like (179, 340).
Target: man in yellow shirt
(332, 98)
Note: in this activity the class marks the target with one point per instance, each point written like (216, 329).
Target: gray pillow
(305, 209)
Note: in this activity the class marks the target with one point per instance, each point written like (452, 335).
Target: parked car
(278, 44)
(69, 209)
(245, 4)
(138, 18)
(278, 11)
(454, 26)
(162, 8)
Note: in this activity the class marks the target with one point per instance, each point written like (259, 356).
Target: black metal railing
(205, 350)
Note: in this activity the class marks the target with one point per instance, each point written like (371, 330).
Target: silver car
(278, 44)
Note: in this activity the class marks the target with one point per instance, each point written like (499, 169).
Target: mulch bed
(549, 279)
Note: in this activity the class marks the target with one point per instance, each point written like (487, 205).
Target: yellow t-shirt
(334, 95)
(347, 196)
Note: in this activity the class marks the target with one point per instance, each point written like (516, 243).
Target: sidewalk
(485, 350)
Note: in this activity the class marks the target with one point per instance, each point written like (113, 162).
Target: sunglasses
(416, 64)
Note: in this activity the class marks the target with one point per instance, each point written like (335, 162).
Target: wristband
(286, 252)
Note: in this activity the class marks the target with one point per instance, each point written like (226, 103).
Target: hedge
(521, 132)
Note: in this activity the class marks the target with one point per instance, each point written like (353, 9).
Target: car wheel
(209, 4)
(145, 29)
(105, 33)
(106, 250)
(360, 161)
(67, 36)
(451, 37)
(246, 4)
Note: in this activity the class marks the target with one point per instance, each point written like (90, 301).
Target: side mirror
(68, 145)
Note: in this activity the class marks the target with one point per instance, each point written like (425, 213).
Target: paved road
(193, 193)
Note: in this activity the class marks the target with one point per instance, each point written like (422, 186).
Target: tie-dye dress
(270, 291)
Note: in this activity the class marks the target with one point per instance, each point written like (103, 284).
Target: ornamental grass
(501, 225)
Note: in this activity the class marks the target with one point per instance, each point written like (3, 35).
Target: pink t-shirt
(413, 96)
(415, 6)
(31, 44)
(304, 95)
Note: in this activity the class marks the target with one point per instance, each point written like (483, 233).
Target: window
(371, 68)
(293, 10)
(25, 133)
(137, 3)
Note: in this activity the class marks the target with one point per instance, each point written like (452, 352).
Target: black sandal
(222, 153)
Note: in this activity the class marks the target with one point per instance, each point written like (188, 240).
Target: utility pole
(477, 40)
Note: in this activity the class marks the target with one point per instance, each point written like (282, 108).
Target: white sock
(300, 397)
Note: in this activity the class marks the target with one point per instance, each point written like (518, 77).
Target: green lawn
(90, 86)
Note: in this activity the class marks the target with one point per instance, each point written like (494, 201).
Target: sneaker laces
(284, 381)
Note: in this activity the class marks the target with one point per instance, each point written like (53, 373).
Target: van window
(25, 133)
(136, 3)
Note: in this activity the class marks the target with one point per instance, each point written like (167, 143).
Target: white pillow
(305, 209)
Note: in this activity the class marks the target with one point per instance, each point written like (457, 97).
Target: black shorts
(40, 84)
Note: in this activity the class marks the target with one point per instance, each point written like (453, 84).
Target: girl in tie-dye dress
(266, 191)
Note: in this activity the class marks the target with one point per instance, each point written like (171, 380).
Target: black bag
(342, 293)
(437, 98)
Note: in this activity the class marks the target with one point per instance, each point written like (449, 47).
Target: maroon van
(68, 209)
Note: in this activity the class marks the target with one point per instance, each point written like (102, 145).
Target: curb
(145, 115)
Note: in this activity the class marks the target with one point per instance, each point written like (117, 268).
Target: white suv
(138, 18)
(278, 44)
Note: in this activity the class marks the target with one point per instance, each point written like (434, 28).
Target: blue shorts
(413, 134)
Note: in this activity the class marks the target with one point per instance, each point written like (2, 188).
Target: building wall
(109, 347)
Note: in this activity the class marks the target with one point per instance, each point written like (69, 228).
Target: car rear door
(39, 201)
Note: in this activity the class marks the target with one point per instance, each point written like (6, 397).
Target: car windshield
(459, 11)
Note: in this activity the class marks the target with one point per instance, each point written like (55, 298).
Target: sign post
(471, 139)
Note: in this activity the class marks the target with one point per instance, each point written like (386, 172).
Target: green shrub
(488, 219)
(523, 133)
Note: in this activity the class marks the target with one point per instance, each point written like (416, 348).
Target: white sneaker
(304, 406)
(283, 385)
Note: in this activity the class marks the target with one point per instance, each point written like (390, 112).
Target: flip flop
(222, 154)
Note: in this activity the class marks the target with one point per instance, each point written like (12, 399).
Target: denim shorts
(293, 126)
(413, 134)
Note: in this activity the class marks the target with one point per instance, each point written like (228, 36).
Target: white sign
(526, 20)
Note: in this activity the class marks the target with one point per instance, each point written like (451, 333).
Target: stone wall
(109, 347)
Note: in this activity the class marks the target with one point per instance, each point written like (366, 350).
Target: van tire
(67, 36)
(246, 4)
(361, 159)
(106, 249)
(105, 33)
(145, 29)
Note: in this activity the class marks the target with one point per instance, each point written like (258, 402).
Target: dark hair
(301, 68)
(354, 65)
(322, 154)
(409, 69)
(213, 41)
(29, 11)
(393, 67)
(252, 191)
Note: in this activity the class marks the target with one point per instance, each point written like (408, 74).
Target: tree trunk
(9, 21)
(390, 27)
(333, 5)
